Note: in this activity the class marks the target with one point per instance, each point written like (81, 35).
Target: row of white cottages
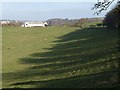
(35, 24)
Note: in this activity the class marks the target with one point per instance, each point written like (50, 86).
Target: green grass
(59, 57)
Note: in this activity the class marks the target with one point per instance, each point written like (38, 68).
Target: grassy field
(59, 57)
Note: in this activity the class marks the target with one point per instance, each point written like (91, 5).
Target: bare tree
(102, 5)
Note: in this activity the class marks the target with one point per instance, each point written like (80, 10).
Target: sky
(43, 10)
(49, 0)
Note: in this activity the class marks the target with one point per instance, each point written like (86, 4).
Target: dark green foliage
(112, 19)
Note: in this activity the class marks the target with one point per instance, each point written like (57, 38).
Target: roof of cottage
(35, 22)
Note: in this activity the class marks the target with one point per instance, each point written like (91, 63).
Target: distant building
(5, 22)
(34, 24)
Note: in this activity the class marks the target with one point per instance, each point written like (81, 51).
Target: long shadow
(88, 81)
(84, 58)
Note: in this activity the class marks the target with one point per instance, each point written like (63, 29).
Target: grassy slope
(59, 57)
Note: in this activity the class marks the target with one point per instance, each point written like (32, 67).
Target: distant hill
(71, 22)
(94, 19)
(86, 22)
(62, 22)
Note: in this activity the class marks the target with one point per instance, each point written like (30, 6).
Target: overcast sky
(44, 10)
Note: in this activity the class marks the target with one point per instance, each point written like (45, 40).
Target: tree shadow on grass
(87, 81)
(84, 58)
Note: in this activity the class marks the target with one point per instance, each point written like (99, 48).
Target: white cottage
(5, 22)
(35, 24)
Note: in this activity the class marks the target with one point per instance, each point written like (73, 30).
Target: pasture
(59, 57)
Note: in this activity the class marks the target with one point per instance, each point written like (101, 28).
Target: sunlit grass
(60, 57)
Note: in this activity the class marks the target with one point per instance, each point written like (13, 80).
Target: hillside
(60, 57)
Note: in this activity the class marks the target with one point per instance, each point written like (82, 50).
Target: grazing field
(59, 57)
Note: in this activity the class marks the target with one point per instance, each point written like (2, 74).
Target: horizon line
(49, 19)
